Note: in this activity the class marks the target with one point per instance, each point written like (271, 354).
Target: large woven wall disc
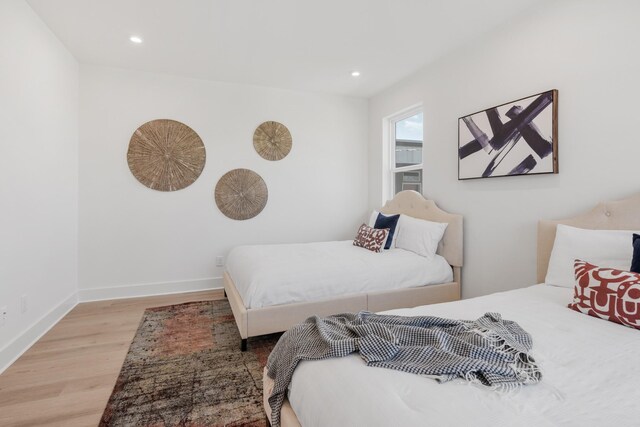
(241, 194)
(272, 140)
(166, 155)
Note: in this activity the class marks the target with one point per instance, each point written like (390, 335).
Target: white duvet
(591, 375)
(267, 275)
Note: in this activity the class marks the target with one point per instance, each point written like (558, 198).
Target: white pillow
(419, 236)
(372, 224)
(372, 218)
(604, 248)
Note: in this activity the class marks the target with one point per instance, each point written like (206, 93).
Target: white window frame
(390, 166)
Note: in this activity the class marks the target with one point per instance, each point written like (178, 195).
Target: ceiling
(291, 44)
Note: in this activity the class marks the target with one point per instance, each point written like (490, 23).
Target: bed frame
(261, 321)
(617, 215)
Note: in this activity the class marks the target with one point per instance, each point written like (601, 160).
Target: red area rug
(185, 368)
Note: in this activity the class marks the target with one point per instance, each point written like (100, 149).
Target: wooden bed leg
(243, 345)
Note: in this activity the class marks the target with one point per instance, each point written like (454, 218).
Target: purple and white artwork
(517, 138)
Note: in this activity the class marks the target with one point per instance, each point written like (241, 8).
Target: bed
(263, 283)
(587, 363)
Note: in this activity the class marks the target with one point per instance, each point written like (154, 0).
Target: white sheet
(267, 275)
(591, 375)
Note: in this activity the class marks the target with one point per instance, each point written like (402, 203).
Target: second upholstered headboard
(414, 204)
(618, 215)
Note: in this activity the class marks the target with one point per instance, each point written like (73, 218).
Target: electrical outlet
(23, 304)
(3, 315)
(219, 261)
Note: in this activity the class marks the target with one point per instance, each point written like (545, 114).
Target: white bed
(285, 274)
(582, 360)
(590, 377)
(271, 288)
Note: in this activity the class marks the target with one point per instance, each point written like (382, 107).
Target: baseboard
(12, 351)
(149, 289)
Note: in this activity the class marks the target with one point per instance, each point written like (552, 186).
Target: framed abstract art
(516, 138)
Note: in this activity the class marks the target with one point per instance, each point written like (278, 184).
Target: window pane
(409, 180)
(408, 144)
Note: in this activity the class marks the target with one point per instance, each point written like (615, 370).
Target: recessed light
(355, 74)
(135, 39)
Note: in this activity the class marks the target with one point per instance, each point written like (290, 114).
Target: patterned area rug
(185, 368)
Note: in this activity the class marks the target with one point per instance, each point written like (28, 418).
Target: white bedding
(267, 275)
(591, 375)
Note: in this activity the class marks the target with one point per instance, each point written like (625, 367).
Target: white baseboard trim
(16, 348)
(149, 289)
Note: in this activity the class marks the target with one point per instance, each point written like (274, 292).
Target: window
(405, 143)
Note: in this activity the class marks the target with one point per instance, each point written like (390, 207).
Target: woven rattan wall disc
(241, 194)
(166, 155)
(272, 140)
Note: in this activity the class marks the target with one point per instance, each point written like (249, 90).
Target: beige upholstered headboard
(618, 215)
(413, 204)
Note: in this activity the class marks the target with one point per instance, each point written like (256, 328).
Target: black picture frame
(487, 139)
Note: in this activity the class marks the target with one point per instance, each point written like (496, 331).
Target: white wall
(38, 177)
(132, 236)
(585, 49)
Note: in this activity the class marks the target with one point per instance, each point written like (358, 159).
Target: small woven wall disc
(241, 194)
(166, 155)
(272, 140)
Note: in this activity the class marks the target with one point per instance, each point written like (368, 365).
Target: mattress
(588, 365)
(268, 275)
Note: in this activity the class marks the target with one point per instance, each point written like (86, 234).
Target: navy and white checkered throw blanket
(488, 351)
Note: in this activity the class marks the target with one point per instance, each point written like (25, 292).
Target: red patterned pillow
(607, 293)
(371, 238)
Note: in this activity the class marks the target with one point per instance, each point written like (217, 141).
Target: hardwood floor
(66, 378)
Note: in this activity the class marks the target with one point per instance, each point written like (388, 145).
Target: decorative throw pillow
(390, 222)
(635, 262)
(607, 293)
(372, 223)
(370, 238)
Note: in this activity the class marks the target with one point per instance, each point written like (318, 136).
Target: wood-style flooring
(66, 378)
